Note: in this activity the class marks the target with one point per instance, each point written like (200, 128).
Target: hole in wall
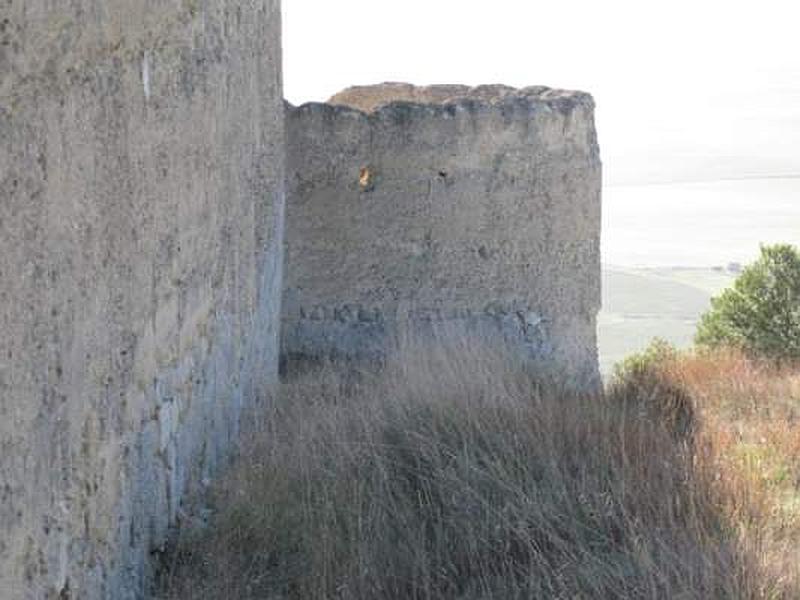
(65, 593)
(366, 179)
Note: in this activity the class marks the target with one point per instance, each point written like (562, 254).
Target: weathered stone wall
(466, 207)
(141, 210)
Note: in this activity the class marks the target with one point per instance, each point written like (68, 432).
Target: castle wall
(141, 211)
(468, 209)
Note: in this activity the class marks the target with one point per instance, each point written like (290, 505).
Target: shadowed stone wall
(445, 206)
(141, 212)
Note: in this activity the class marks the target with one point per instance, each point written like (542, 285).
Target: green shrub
(642, 383)
(760, 314)
(638, 365)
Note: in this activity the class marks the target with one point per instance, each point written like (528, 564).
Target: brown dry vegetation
(451, 474)
(749, 455)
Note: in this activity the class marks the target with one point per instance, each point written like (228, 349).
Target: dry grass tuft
(749, 454)
(451, 474)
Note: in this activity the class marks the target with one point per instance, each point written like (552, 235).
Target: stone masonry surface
(141, 213)
(477, 208)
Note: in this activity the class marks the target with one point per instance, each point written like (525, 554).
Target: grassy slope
(451, 475)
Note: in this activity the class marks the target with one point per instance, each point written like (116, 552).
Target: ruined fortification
(142, 149)
(141, 214)
(471, 208)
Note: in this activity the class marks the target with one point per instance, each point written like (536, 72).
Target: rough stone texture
(475, 208)
(141, 209)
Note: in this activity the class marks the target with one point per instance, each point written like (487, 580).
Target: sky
(686, 90)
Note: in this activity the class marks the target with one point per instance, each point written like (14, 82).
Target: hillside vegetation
(760, 313)
(450, 473)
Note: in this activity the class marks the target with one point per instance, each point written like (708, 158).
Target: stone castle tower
(145, 151)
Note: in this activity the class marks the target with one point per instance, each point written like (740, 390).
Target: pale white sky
(686, 89)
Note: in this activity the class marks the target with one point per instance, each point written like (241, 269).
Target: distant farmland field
(668, 248)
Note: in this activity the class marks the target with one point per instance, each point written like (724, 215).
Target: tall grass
(450, 473)
(749, 454)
